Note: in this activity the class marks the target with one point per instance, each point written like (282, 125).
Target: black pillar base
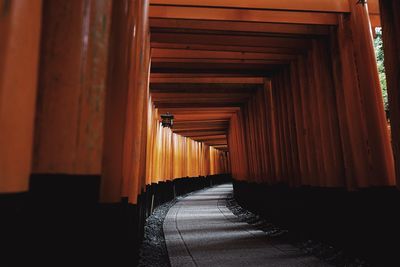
(363, 223)
(59, 221)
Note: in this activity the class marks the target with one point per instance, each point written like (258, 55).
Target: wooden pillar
(116, 96)
(378, 137)
(325, 94)
(390, 19)
(263, 136)
(294, 144)
(309, 121)
(238, 148)
(20, 23)
(124, 157)
(136, 112)
(71, 92)
(300, 127)
(280, 126)
(272, 136)
(352, 121)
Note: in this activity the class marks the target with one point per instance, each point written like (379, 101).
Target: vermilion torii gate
(273, 92)
(330, 51)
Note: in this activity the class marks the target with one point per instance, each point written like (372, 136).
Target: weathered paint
(70, 111)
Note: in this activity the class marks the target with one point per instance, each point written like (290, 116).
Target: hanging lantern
(167, 120)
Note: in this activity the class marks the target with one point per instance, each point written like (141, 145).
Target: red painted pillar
(328, 121)
(20, 23)
(271, 132)
(116, 95)
(390, 18)
(309, 121)
(136, 112)
(380, 152)
(352, 121)
(124, 157)
(71, 90)
(291, 114)
(300, 127)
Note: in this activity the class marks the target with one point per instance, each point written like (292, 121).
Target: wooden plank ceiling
(209, 56)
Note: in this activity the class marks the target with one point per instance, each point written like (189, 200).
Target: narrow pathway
(201, 231)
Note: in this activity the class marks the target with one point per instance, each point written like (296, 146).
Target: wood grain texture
(71, 91)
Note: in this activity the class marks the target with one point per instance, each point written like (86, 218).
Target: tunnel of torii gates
(272, 92)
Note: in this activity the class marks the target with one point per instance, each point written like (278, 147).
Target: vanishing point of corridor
(123, 118)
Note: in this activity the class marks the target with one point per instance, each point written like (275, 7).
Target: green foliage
(381, 67)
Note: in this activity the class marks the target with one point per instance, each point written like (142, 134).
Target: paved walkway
(201, 231)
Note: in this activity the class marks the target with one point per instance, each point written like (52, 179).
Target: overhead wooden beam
(196, 133)
(202, 87)
(203, 75)
(207, 80)
(212, 143)
(201, 128)
(198, 96)
(197, 105)
(234, 14)
(216, 143)
(220, 61)
(294, 5)
(222, 148)
(252, 27)
(193, 54)
(200, 110)
(231, 48)
(209, 137)
(202, 122)
(231, 40)
(339, 6)
(191, 117)
(250, 69)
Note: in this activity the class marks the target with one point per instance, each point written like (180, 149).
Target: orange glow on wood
(20, 26)
(69, 125)
(296, 5)
(174, 156)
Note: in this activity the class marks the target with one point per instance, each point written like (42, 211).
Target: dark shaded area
(362, 224)
(60, 222)
(323, 251)
(153, 251)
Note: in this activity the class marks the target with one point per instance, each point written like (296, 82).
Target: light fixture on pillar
(167, 120)
(362, 2)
